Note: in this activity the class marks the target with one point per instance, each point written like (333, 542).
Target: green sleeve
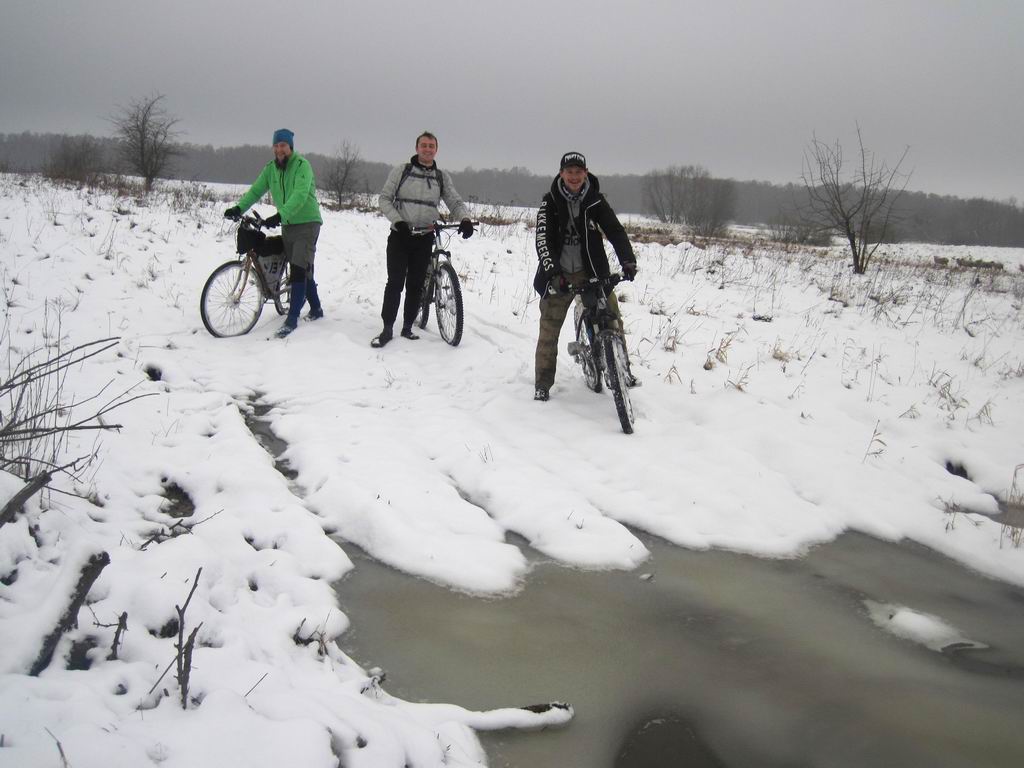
(256, 191)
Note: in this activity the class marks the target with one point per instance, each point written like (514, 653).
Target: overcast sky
(738, 86)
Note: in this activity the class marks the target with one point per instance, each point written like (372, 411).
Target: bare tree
(662, 196)
(687, 194)
(146, 133)
(858, 209)
(77, 159)
(712, 205)
(342, 179)
(665, 192)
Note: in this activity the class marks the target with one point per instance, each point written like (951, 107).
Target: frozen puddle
(718, 659)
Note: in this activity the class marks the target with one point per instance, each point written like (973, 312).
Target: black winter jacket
(596, 216)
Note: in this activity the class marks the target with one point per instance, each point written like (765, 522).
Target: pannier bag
(247, 239)
(271, 246)
(273, 266)
(271, 253)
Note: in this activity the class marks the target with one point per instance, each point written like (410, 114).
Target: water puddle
(260, 428)
(713, 659)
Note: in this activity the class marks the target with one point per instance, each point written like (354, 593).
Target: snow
(923, 628)
(837, 409)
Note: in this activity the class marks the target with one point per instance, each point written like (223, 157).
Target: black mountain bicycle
(599, 347)
(234, 294)
(442, 288)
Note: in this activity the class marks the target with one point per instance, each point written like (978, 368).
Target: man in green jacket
(289, 178)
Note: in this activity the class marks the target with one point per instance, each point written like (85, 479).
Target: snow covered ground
(784, 401)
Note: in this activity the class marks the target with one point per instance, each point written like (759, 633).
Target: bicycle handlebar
(454, 224)
(438, 226)
(593, 282)
(253, 219)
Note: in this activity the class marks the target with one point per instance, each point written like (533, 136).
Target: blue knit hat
(283, 134)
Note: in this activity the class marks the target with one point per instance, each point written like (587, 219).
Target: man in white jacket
(410, 200)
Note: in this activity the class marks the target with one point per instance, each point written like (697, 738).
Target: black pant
(408, 257)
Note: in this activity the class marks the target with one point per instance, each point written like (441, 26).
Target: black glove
(402, 228)
(557, 284)
(629, 270)
(234, 213)
(272, 222)
(466, 229)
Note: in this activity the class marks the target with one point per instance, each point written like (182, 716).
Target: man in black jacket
(570, 249)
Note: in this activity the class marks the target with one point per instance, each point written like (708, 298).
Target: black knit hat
(573, 158)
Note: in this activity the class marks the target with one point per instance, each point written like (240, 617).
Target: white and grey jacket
(413, 194)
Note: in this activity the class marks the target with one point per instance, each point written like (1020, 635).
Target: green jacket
(293, 191)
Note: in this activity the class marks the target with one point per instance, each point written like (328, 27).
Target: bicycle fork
(573, 347)
(430, 278)
(590, 350)
(243, 280)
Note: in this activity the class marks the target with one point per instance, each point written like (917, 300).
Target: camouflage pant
(553, 309)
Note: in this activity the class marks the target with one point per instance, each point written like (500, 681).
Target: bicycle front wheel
(585, 351)
(618, 375)
(448, 301)
(232, 300)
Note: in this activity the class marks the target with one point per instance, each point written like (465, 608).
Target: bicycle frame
(436, 254)
(441, 286)
(270, 281)
(596, 319)
(437, 251)
(435, 230)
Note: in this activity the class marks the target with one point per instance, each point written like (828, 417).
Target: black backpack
(408, 170)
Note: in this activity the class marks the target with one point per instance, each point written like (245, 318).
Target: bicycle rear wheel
(232, 300)
(618, 375)
(587, 361)
(281, 290)
(448, 301)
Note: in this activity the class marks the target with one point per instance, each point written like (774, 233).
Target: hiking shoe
(632, 381)
(540, 393)
(384, 338)
(408, 334)
(284, 331)
(315, 314)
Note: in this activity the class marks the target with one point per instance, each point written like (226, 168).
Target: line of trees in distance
(683, 194)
